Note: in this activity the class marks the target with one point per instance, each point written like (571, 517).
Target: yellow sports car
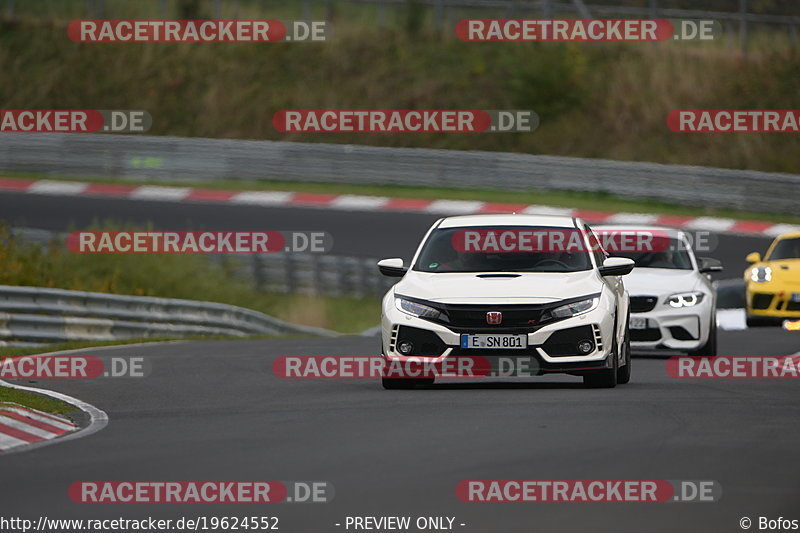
(773, 283)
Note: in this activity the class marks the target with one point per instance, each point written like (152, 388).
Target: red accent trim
(18, 434)
(592, 216)
(105, 189)
(671, 220)
(40, 413)
(407, 204)
(13, 184)
(205, 195)
(309, 198)
(35, 423)
(751, 226)
(502, 208)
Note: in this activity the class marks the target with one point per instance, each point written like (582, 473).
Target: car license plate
(796, 297)
(504, 341)
(638, 322)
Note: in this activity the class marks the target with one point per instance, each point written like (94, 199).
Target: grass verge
(191, 277)
(35, 401)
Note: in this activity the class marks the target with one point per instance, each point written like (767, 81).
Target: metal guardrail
(176, 159)
(43, 315)
(329, 275)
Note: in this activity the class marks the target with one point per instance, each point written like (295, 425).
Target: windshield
(673, 255)
(785, 249)
(504, 249)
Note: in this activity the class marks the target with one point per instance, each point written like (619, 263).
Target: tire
(624, 373)
(405, 383)
(710, 347)
(607, 377)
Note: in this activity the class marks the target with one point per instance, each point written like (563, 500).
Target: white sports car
(672, 300)
(538, 287)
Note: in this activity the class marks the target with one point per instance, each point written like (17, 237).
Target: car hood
(644, 281)
(461, 287)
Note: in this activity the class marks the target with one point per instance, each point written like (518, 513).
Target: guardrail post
(258, 271)
(342, 288)
(10, 9)
(316, 275)
(438, 14)
(306, 9)
(291, 281)
(218, 9)
(381, 13)
(793, 34)
(164, 8)
(547, 9)
(743, 25)
(653, 9)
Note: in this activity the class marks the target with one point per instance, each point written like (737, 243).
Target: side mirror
(392, 267)
(753, 257)
(616, 266)
(709, 264)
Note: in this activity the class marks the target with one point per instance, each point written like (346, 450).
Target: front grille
(474, 317)
(522, 318)
(564, 342)
(762, 300)
(643, 304)
(645, 335)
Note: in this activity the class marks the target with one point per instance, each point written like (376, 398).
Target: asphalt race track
(356, 233)
(215, 411)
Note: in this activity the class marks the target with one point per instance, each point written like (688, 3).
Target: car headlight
(573, 309)
(685, 299)
(761, 274)
(416, 309)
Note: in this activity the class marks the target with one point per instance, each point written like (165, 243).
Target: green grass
(187, 276)
(35, 401)
(605, 100)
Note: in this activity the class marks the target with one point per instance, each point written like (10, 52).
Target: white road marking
(156, 192)
(27, 428)
(731, 319)
(632, 218)
(60, 423)
(454, 206)
(262, 197)
(61, 188)
(547, 210)
(711, 224)
(364, 203)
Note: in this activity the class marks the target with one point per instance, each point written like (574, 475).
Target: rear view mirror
(392, 267)
(616, 266)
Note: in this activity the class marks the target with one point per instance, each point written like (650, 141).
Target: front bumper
(544, 354)
(670, 328)
(776, 300)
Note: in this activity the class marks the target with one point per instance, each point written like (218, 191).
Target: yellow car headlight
(761, 274)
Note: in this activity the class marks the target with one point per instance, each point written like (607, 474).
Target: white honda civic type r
(521, 286)
(673, 302)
